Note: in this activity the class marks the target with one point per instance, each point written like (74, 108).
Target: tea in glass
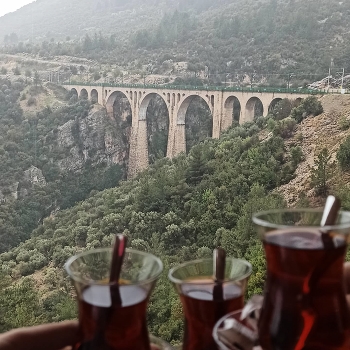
(113, 316)
(304, 299)
(195, 285)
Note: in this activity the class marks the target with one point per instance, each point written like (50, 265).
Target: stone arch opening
(196, 117)
(253, 109)
(298, 101)
(73, 95)
(94, 96)
(155, 115)
(273, 104)
(84, 94)
(232, 112)
(118, 108)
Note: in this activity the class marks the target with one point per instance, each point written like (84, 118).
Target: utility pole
(329, 74)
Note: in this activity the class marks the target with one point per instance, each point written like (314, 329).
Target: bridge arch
(145, 103)
(112, 99)
(73, 95)
(298, 101)
(274, 103)
(94, 96)
(254, 108)
(153, 126)
(83, 94)
(181, 115)
(194, 122)
(74, 92)
(231, 112)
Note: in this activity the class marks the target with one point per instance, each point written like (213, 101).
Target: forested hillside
(177, 209)
(43, 166)
(273, 41)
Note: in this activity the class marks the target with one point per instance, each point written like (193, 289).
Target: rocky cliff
(83, 142)
(91, 139)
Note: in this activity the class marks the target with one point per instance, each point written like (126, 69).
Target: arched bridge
(225, 105)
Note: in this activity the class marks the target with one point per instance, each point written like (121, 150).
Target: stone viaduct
(220, 101)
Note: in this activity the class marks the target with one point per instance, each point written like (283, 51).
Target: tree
(297, 155)
(343, 154)
(36, 80)
(282, 109)
(321, 172)
(197, 166)
(16, 71)
(73, 69)
(309, 106)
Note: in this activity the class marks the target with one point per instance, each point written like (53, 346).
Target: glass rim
(216, 327)
(264, 223)
(67, 266)
(187, 263)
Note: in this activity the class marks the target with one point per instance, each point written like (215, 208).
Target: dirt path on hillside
(317, 132)
(56, 60)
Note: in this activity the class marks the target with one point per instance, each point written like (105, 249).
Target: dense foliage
(178, 209)
(343, 154)
(28, 140)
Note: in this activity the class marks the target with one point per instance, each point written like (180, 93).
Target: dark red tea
(202, 312)
(105, 325)
(304, 305)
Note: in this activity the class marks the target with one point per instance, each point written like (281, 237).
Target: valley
(168, 121)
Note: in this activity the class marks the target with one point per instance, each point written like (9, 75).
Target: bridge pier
(180, 140)
(217, 113)
(142, 146)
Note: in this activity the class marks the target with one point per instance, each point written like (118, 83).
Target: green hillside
(177, 209)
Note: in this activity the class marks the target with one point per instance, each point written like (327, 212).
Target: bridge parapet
(303, 91)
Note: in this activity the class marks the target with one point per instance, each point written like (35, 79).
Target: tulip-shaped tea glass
(113, 316)
(304, 299)
(194, 282)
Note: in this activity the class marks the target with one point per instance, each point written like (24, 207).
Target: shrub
(297, 155)
(96, 76)
(31, 101)
(309, 106)
(321, 173)
(299, 137)
(344, 123)
(284, 128)
(3, 70)
(271, 124)
(282, 109)
(16, 71)
(343, 154)
(260, 122)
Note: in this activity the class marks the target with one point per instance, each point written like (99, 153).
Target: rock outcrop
(92, 139)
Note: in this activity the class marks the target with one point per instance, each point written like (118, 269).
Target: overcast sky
(12, 5)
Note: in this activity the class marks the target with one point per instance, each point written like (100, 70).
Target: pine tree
(321, 172)
(197, 166)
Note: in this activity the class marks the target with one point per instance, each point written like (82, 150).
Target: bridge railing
(207, 88)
